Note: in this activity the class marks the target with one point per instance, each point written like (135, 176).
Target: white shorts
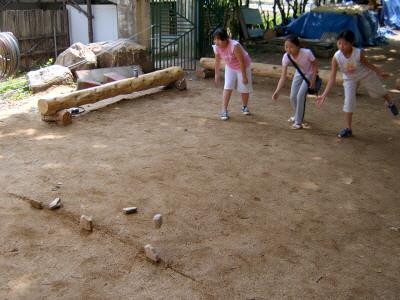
(372, 83)
(231, 76)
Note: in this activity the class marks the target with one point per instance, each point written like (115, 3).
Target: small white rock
(86, 223)
(56, 203)
(36, 204)
(151, 253)
(158, 220)
(59, 183)
(348, 180)
(129, 210)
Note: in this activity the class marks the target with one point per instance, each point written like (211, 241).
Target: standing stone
(151, 253)
(77, 57)
(122, 52)
(86, 223)
(157, 219)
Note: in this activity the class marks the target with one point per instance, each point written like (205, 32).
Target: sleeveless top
(229, 57)
(351, 67)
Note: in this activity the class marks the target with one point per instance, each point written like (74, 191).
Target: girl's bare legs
(245, 98)
(348, 117)
(389, 103)
(226, 97)
(387, 98)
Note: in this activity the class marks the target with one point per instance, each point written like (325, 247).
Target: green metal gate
(173, 33)
(182, 30)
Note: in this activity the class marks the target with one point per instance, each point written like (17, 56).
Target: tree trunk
(49, 106)
(268, 70)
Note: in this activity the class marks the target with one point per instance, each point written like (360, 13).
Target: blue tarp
(391, 11)
(313, 24)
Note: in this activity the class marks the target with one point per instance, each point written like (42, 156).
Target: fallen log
(49, 106)
(268, 70)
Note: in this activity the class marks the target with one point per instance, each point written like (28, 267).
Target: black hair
(347, 35)
(293, 39)
(221, 34)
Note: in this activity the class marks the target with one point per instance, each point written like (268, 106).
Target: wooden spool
(62, 117)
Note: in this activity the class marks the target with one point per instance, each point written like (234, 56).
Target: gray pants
(298, 93)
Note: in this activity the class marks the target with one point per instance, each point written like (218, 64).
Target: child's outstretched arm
(239, 55)
(374, 68)
(217, 69)
(331, 82)
(314, 65)
(281, 83)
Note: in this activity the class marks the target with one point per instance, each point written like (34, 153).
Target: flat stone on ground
(56, 203)
(36, 204)
(151, 253)
(129, 210)
(86, 223)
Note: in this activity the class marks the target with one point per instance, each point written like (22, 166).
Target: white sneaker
(245, 110)
(297, 126)
(291, 120)
(224, 115)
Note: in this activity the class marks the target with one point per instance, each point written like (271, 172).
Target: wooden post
(55, 41)
(90, 20)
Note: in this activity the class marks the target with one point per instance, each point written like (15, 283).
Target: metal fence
(182, 30)
(173, 33)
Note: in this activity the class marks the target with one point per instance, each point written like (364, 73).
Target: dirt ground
(252, 209)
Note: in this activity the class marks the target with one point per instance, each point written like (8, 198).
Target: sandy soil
(252, 209)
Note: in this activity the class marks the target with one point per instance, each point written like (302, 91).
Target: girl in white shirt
(307, 63)
(356, 70)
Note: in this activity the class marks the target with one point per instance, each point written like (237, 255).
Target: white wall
(105, 24)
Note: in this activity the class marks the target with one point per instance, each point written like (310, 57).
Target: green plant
(40, 64)
(14, 89)
(49, 62)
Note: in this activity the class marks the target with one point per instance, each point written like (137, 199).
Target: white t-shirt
(351, 67)
(303, 60)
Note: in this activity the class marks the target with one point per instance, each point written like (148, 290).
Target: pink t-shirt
(229, 57)
(303, 60)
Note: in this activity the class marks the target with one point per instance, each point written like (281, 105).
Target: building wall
(105, 24)
(134, 20)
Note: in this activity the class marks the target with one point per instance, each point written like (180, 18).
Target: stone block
(158, 220)
(151, 253)
(86, 223)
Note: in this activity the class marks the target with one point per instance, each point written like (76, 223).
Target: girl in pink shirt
(237, 68)
(307, 63)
